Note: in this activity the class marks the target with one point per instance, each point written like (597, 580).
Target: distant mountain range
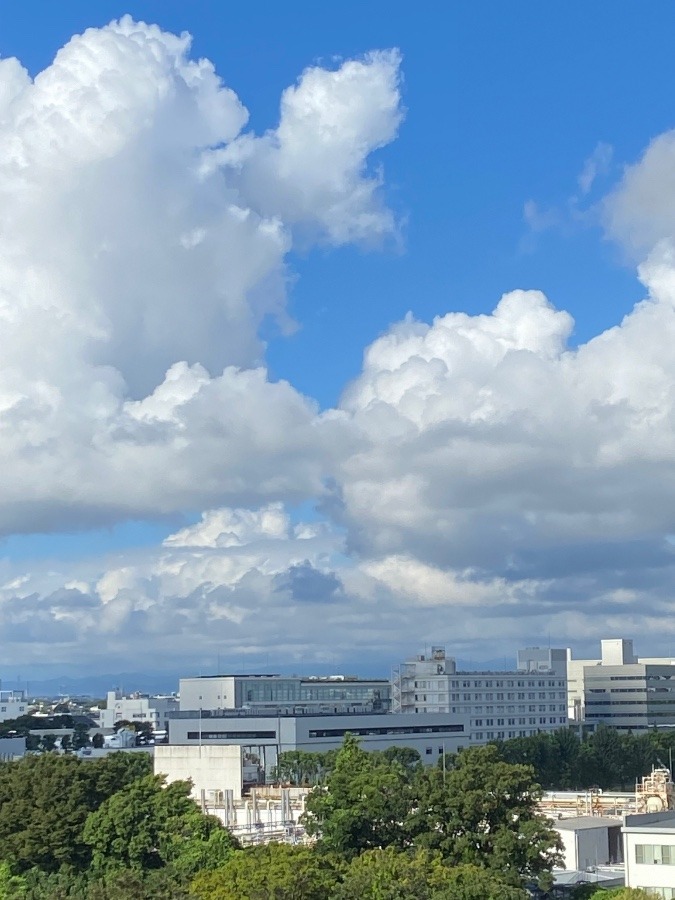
(95, 685)
(166, 682)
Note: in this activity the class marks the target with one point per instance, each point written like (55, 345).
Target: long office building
(497, 705)
(265, 733)
(329, 694)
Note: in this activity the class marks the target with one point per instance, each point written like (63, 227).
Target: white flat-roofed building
(649, 853)
(321, 693)
(497, 705)
(137, 708)
(12, 705)
(265, 733)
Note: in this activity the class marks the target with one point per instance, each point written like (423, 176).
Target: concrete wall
(210, 768)
(584, 847)
(215, 692)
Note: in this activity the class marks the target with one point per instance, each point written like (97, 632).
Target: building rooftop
(661, 821)
(291, 712)
(582, 823)
(276, 676)
(607, 876)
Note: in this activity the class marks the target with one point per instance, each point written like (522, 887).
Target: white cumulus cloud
(144, 241)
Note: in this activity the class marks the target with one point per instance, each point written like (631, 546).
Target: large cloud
(490, 444)
(140, 253)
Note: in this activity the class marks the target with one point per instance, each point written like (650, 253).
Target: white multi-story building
(138, 708)
(497, 705)
(12, 705)
(649, 853)
(619, 689)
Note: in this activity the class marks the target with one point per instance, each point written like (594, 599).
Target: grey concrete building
(266, 733)
(620, 690)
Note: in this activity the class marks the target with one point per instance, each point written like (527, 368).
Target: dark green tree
(148, 825)
(407, 757)
(363, 804)
(45, 801)
(80, 737)
(474, 883)
(419, 875)
(483, 812)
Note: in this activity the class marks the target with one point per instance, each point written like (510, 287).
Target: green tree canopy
(623, 894)
(419, 875)
(483, 812)
(149, 824)
(363, 804)
(269, 872)
(45, 801)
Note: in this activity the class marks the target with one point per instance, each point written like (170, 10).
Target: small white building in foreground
(649, 852)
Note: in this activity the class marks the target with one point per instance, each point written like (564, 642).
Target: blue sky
(500, 108)
(503, 109)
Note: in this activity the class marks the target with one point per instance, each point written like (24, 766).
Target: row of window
(459, 710)
(288, 692)
(392, 729)
(478, 723)
(229, 735)
(553, 707)
(437, 683)
(655, 854)
(441, 697)
(502, 735)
